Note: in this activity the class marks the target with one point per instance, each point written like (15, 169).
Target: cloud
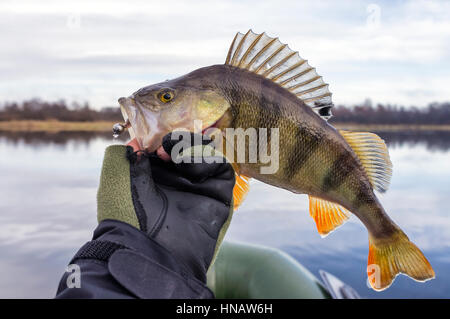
(100, 50)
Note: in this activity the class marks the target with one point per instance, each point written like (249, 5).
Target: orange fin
(240, 190)
(392, 256)
(241, 186)
(327, 215)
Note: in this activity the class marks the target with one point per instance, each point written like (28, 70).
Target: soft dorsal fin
(274, 60)
(374, 156)
(327, 215)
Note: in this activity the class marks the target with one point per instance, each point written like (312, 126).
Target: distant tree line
(365, 113)
(435, 113)
(36, 109)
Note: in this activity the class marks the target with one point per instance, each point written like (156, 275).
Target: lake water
(47, 201)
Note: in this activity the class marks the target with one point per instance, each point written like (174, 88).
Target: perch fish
(265, 84)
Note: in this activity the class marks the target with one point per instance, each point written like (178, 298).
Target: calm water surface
(47, 201)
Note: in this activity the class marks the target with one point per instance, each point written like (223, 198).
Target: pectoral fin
(240, 190)
(327, 215)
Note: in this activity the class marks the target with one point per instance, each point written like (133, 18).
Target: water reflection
(432, 140)
(47, 198)
(61, 138)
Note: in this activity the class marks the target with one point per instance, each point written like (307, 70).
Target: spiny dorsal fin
(374, 156)
(327, 215)
(274, 60)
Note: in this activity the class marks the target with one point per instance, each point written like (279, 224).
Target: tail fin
(389, 257)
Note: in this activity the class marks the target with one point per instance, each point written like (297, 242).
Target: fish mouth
(127, 124)
(130, 113)
(144, 125)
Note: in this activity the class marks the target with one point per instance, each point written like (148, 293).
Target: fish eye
(166, 96)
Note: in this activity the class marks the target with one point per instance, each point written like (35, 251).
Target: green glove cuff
(114, 199)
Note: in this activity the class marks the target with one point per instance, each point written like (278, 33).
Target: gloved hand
(185, 207)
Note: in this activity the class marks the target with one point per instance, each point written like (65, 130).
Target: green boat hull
(255, 272)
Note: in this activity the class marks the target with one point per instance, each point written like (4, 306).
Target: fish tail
(395, 255)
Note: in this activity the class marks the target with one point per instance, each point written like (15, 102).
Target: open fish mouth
(119, 128)
(145, 125)
(141, 124)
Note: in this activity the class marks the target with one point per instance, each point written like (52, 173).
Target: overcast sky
(96, 51)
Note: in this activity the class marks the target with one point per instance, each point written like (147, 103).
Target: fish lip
(125, 104)
(124, 113)
(133, 113)
(126, 101)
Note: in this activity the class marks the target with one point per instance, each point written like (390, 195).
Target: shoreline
(52, 126)
(391, 127)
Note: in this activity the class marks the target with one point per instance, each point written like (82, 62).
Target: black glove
(184, 207)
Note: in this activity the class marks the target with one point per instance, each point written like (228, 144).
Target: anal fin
(327, 215)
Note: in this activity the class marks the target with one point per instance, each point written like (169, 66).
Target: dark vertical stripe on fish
(269, 115)
(338, 172)
(270, 119)
(234, 116)
(364, 196)
(304, 147)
